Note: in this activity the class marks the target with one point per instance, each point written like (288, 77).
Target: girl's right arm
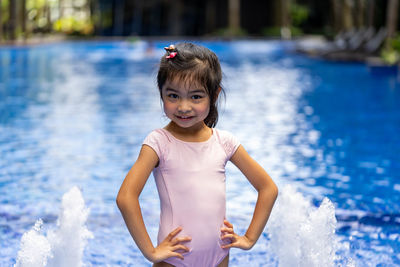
(128, 203)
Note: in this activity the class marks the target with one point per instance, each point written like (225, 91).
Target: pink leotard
(190, 180)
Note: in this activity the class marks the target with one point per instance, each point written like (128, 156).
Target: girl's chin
(187, 123)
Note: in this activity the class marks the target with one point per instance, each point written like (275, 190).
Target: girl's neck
(199, 133)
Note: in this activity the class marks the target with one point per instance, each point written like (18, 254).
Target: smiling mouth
(184, 117)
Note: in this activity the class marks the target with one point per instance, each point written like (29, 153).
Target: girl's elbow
(275, 190)
(121, 200)
(272, 189)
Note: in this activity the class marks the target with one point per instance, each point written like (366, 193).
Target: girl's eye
(197, 97)
(173, 96)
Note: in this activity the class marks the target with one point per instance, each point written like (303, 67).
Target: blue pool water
(75, 114)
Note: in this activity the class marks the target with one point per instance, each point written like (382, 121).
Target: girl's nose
(184, 107)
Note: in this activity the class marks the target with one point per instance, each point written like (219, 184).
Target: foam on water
(62, 246)
(302, 235)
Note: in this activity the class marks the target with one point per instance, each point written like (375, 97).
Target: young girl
(188, 158)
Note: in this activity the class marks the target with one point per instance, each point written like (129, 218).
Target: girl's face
(186, 104)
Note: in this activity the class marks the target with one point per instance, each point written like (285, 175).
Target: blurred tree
(61, 8)
(137, 12)
(1, 21)
(234, 16)
(281, 17)
(371, 13)
(347, 17)
(12, 21)
(337, 15)
(211, 14)
(360, 13)
(118, 14)
(175, 12)
(392, 12)
(22, 17)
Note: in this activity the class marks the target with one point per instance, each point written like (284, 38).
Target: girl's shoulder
(224, 135)
(156, 134)
(159, 134)
(228, 141)
(157, 139)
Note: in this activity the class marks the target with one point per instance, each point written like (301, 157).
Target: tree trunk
(48, 18)
(348, 15)
(391, 17)
(174, 18)
(360, 13)
(61, 8)
(12, 22)
(23, 18)
(286, 21)
(371, 13)
(285, 13)
(211, 15)
(119, 9)
(337, 15)
(234, 15)
(137, 18)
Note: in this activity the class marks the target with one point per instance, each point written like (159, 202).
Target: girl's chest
(193, 158)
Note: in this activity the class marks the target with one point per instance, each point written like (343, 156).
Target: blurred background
(25, 18)
(22, 20)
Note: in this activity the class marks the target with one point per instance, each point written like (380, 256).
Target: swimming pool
(75, 114)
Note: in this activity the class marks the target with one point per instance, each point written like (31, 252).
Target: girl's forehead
(183, 84)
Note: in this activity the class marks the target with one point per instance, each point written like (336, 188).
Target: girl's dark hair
(193, 63)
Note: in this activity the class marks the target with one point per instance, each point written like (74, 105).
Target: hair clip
(172, 55)
(171, 51)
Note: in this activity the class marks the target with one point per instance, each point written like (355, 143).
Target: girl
(188, 158)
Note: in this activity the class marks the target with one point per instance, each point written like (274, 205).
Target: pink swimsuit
(190, 180)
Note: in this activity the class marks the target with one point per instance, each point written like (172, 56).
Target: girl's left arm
(267, 193)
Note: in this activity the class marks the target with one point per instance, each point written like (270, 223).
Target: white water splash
(35, 248)
(302, 235)
(63, 246)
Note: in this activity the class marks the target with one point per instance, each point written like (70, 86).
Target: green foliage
(395, 43)
(226, 32)
(4, 9)
(391, 53)
(390, 56)
(299, 14)
(271, 31)
(34, 4)
(276, 31)
(73, 26)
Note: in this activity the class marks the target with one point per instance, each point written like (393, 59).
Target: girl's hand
(167, 248)
(237, 241)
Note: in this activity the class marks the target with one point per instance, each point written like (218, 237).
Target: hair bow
(171, 51)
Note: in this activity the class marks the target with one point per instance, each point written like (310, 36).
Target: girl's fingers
(228, 245)
(228, 224)
(181, 239)
(228, 230)
(231, 236)
(176, 254)
(180, 247)
(172, 234)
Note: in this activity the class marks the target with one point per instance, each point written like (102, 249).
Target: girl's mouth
(184, 117)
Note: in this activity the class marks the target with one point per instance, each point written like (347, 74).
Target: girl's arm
(267, 193)
(128, 203)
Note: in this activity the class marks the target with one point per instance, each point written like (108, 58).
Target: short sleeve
(155, 140)
(229, 142)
